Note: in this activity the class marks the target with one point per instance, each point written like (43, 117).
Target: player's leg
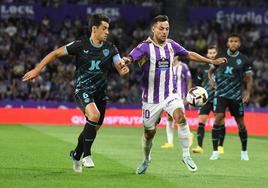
(221, 138)
(219, 105)
(92, 113)
(151, 117)
(243, 137)
(175, 107)
(237, 110)
(87, 136)
(184, 138)
(200, 134)
(87, 159)
(169, 131)
(101, 105)
(202, 117)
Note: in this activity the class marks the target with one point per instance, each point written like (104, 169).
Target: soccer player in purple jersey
(183, 84)
(155, 56)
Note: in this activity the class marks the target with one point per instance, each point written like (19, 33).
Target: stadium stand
(23, 42)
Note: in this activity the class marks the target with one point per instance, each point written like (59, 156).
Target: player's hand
(124, 70)
(121, 64)
(219, 61)
(246, 97)
(127, 60)
(30, 75)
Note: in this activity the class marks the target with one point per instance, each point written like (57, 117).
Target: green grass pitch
(37, 156)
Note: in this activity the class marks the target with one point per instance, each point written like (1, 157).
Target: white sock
(184, 138)
(169, 130)
(147, 145)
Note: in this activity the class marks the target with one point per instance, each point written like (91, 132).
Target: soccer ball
(197, 96)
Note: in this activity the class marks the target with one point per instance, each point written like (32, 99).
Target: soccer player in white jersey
(183, 84)
(156, 56)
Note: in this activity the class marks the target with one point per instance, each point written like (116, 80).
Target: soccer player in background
(94, 58)
(183, 85)
(204, 81)
(229, 79)
(156, 57)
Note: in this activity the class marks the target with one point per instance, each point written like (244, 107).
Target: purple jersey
(156, 64)
(182, 73)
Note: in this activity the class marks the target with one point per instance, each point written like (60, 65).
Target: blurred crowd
(23, 43)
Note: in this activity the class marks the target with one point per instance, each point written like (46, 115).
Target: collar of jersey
(232, 55)
(95, 45)
(149, 39)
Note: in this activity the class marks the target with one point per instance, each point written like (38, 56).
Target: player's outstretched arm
(193, 56)
(46, 60)
(121, 67)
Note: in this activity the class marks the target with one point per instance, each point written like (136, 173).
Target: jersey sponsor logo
(86, 51)
(228, 70)
(95, 65)
(163, 64)
(238, 61)
(105, 52)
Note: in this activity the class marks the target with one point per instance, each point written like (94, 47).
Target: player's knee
(240, 123)
(93, 116)
(149, 134)
(179, 117)
(219, 118)
(203, 119)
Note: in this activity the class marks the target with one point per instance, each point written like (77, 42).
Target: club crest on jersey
(238, 61)
(105, 52)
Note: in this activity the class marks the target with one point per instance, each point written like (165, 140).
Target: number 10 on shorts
(146, 114)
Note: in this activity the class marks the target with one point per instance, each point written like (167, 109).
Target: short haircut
(159, 18)
(233, 35)
(212, 47)
(96, 20)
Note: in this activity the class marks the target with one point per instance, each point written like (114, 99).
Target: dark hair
(96, 20)
(159, 18)
(212, 47)
(233, 35)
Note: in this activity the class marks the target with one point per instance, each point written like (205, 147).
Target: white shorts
(151, 113)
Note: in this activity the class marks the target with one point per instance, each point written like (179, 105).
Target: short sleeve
(73, 48)
(247, 68)
(178, 49)
(114, 50)
(138, 52)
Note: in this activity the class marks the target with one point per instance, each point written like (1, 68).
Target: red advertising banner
(257, 123)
